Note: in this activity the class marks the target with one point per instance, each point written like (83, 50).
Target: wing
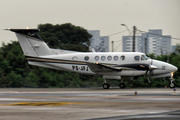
(101, 68)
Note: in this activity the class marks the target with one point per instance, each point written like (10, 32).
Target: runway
(89, 103)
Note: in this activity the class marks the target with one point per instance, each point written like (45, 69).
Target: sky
(104, 15)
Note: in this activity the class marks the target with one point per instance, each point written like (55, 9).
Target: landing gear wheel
(106, 86)
(172, 85)
(122, 85)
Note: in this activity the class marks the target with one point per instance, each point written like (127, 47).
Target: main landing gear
(105, 85)
(122, 85)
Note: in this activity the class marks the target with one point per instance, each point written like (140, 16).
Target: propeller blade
(150, 69)
(151, 61)
(148, 80)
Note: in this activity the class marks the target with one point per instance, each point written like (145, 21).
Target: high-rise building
(151, 42)
(128, 43)
(98, 43)
(173, 48)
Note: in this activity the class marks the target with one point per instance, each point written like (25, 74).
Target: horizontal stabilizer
(18, 30)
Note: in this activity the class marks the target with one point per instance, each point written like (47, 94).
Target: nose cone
(174, 68)
(164, 66)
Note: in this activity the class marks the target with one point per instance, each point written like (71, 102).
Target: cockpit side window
(122, 57)
(137, 58)
(144, 57)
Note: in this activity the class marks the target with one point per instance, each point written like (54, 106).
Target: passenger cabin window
(103, 58)
(96, 58)
(137, 58)
(122, 57)
(86, 58)
(109, 58)
(115, 58)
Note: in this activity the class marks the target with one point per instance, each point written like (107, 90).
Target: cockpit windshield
(144, 57)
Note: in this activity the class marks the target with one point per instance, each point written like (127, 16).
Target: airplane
(109, 65)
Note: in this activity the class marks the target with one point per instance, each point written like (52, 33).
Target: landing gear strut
(105, 85)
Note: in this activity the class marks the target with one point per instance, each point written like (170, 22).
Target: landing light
(27, 28)
(172, 74)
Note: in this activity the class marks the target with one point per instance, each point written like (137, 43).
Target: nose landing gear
(172, 84)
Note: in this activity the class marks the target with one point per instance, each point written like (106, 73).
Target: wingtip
(8, 29)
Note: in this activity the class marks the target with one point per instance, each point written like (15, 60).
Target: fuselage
(131, 63)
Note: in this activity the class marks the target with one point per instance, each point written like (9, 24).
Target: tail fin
(31, 43)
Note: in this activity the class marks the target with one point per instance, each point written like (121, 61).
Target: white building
(151, 42)
(128, 43)
(98, 43)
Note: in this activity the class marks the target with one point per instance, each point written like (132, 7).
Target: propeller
(150, 70)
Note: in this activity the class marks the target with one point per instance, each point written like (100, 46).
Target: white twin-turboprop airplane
(109, 65)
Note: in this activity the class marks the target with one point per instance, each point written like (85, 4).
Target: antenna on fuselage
(93, 50)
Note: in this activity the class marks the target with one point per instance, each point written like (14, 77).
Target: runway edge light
(174, 91)
(135, 93)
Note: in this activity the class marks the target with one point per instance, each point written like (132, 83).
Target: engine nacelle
(161, 76)
(111, 77)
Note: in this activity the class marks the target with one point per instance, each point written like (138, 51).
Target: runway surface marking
(40, 104)
(89, 104)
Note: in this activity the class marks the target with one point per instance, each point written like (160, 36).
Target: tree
(65, 36)
(31, 80)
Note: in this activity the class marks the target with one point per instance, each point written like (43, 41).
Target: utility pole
(134, 37)
(112, 42)
(145, 46)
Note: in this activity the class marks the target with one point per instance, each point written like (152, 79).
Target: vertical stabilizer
(31, 43)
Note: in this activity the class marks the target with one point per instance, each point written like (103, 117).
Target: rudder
(31, 43)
